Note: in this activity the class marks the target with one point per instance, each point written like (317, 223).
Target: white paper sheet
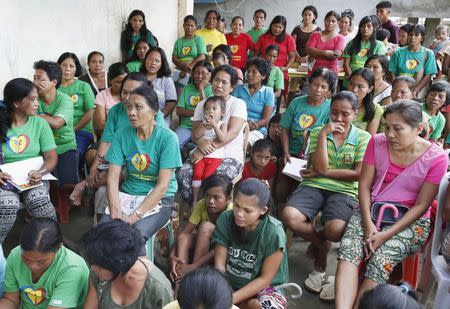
(293, 169)
(19, 170)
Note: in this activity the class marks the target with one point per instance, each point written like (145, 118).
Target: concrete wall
(292, 9)
(33, 30)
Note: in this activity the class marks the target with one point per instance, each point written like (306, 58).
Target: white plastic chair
(439, 267)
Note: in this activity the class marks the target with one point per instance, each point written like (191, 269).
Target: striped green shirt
(344, 157)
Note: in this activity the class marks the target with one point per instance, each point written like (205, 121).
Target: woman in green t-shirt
(140, 50)
(250, 247)
(24, 136)
(120, 276)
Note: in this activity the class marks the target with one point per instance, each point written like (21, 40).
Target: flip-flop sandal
(328, 290)
(314, 281)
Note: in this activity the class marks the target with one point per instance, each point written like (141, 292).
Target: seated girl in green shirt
(140, 49)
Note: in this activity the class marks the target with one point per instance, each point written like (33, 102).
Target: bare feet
(320, 258)
(77, 194)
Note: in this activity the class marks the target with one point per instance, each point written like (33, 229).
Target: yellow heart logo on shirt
(186, 50)
(234, 48)
(140, 161)
(305, 121)
(18, 144)
(411, 64)
(193, 100)
(74, 98)
(363, 52)
(36, 297)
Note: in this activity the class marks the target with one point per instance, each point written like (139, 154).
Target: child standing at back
(276, 79)
(211, 129)
(260, 165)
(440, 39)
(240, 43)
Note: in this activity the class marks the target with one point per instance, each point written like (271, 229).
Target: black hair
(116, 69)
(92, 54)
(260, 11)
(190, 17)
(333, 13)
(275, 119)
(216, 99)
(347, 96)
(79, 68)
(227, 69)
(411, 82)
(420, 29)
(272, 47)
(279, 19)
(384, 5)
(203, 63)
(52, 69)
(262, 65)
(410, 110)
(129, 29)
(225, 49)
(349, 14)
(236, 17)
(383, 60)
(114, 245)
(388, 296)
(329, 76)
(367, 101)
(441, 86)
(150, 96)
(165, 68)
(218, 181)
(135, 57)
(15, 90)
(212, 11)
(382, 34)
(262, 144)
(354, 46)
(407, 27)
(205, 287)
(313, 9)
(42, 235)
(136, 76)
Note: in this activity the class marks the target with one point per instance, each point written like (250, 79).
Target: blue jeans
(84, 140)
(184, 135)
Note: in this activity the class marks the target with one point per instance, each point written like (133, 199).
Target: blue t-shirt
(144, 159)
(117, 119)
(256, 103)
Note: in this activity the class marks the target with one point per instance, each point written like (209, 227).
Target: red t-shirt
(288, 45)
(239, 45)
(269, 171)
(336, 43)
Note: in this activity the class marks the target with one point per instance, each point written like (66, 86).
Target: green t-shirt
(187, 50)
(436, 122)
(134, 39)
(245, 260)
(117, 119)
(406, 62)
(29, 140)
(189, 99)
(83, 99)
(255, 34)
(358, 60)
(359, 119)
(134, 66)
(276, 79)
(144, 159)
(64, 284)
(301, 116)
(61, 107)
(156, 293)
(344, 157)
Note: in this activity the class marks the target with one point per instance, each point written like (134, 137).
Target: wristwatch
(138, 214)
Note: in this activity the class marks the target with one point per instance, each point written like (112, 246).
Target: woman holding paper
(24, 136)
(150, 153)
(330, 185)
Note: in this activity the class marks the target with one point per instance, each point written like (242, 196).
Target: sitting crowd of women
(119, 126)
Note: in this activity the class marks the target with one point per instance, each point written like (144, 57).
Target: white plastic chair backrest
(437, 237)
